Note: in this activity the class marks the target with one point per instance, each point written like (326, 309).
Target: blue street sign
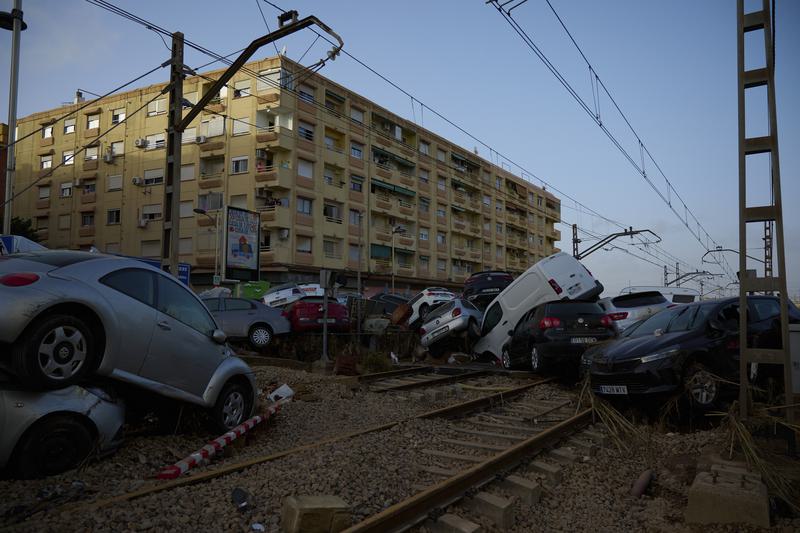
(184, 269)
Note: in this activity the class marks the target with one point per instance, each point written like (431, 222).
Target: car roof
(485, 272)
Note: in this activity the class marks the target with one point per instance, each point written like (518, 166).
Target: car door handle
(163, 324)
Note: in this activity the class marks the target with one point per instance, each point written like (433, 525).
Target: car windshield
(440, 310)
(638, 299)
(683, 318)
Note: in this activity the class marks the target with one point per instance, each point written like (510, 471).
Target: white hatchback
(426, 300)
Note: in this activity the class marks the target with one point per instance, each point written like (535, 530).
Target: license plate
(438, 333)
(330, 320)
(494, 289)
(614, 389)
(572, 291)
(583, 340)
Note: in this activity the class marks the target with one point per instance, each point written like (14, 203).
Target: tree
(24, 228)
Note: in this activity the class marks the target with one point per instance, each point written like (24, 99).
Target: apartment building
(339, 182)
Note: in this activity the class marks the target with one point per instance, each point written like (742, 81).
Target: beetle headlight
(666, 354)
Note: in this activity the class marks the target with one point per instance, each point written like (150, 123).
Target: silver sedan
(247, 319)
(448, 318)
(67, 314)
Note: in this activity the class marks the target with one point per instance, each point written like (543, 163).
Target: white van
(676, 295)
(557, 277)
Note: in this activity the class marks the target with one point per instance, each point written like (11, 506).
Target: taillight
(19, 279)
(549, 322)
(732, 344)
(456, 312)
(618, 316)
(556, 286)
(284, 314)
(422, 331)
(608, 321)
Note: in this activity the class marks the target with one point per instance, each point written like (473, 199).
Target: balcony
(275, 216)
(275, 176)
(382, 234)
(303, 258)
(383, 201)
(88, 197)
(381, 266)
(405, 207)
(43, 203)
(86, 231)
(275, 138)
(554, 234)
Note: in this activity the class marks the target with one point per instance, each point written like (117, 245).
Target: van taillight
(619, 316)
(19, 279)
(456, 312)
(556, 286)
(608, 321)
(549, 322)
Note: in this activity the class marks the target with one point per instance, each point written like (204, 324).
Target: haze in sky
(671, 67)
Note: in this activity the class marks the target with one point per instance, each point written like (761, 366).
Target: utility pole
(16, 25)
(666, 276)
(768, 250)
(575, 241)
(172, 176)
(358, 274)
(677, 274)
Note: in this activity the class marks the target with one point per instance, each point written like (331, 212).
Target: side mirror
(510, 332)
(219, 336)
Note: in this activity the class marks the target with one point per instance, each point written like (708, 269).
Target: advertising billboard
(241, 244)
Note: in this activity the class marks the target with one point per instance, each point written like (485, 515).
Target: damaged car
(450, 318)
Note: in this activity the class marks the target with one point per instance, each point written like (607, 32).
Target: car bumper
(655, 377)
(445, 330)
(314, 324)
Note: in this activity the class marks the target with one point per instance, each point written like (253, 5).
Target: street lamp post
(214, 220)
(358, 273)
(395, 230)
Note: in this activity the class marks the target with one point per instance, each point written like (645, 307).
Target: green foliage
(24, 228)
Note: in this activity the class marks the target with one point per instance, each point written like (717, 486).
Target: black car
(481, 287)
(690, 346)
(557, 333)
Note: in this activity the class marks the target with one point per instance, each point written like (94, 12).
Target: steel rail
(416, 509)
(452, 378)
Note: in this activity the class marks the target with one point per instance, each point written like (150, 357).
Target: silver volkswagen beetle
(65, 315)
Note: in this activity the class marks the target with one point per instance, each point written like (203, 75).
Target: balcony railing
(333, 254)
(333, 220)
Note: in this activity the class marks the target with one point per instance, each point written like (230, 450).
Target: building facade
(339, 182)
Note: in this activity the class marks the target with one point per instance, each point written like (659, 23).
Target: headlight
(666, 354)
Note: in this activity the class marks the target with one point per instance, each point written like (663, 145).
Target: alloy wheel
(703, 388)
(233, 409)
(261, 336)
(506, 359)
(535, 361)
(62, 352)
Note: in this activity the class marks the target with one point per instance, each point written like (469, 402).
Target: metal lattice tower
(771, 214)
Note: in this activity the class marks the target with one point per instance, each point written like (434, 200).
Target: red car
(306, 314)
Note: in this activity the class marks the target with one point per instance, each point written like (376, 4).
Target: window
(190, 97)
(355, 217)
(185, 245)
(356, 150)
(241, 88)
(353, 252)
(328, 176)
(356, 183)
(69, 126)
(239, 200)
(306, 93)
(766, 308)
(44, 192)
(186, 209)
(112, 248)
(303, 244)
(440, 212)
(155, 141)
(64, 221)
(539, 201)
(117, 148)
(424, 205)
(329, 248)
(423, 176)
(42, 223)
(423, 234)
(157, 107)
(331, 211)
(113, 216)
(66, 189)
(424, 261)
(187, 172)
(176, 301)
(441, 155)
(46, 161)
(238, 165)
(305, 130)
(89, 186)
(137, 283)
(492, 318)
(90, 154)
(441, 265)
(68, 157)
(304, 205)
(240, 126)
(114, 183)
(272, 79)
(305, 168)
(154, 176)
(441, 238)
(189, 136)
(47, 132)
(92, 121)
(499, 229)
(151, 212)
(498, 182)
(117, 115)
(531, 198)
(356, 115)
(424, 147)
(87, 219)
(487, 200)
(212, 126)
(499, 252)
(210, 201)
(441, 183)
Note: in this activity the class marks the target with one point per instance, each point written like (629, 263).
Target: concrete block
(735, 473)
(450, 523)
(526, 490)
(314, 514)
(563, 455)
(495, 508)
(553, 473)
(715, 499)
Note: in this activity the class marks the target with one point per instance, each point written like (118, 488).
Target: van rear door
(568, 278)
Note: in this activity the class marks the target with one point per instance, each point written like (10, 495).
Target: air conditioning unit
(142, 223)
(108, 157)
(261, 192)
(137, 180)
(200, 139)
(140, 143)
(283, 234)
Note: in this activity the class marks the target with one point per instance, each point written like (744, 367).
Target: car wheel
(702, 386)
(56, 351)
(234, 405)
(260, 336)
(537, 363)
(506, 359)
(53, 445)
(473, 329)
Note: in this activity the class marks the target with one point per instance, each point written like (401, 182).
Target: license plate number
(614, 389)
(330, 320)
(583, 340)
(439, 332)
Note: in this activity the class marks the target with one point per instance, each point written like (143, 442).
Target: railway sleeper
(497, 509)
(452, 523)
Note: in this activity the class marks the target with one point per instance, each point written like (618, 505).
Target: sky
(670, 66)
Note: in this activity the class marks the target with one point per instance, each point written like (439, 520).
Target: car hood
(635, 347)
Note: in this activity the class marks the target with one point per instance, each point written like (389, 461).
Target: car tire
(234, 405)
(51, 446)
(473, 329)
(537, 362)
(702, 387)
(55, 351)
(505, 359)
(260, 336)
